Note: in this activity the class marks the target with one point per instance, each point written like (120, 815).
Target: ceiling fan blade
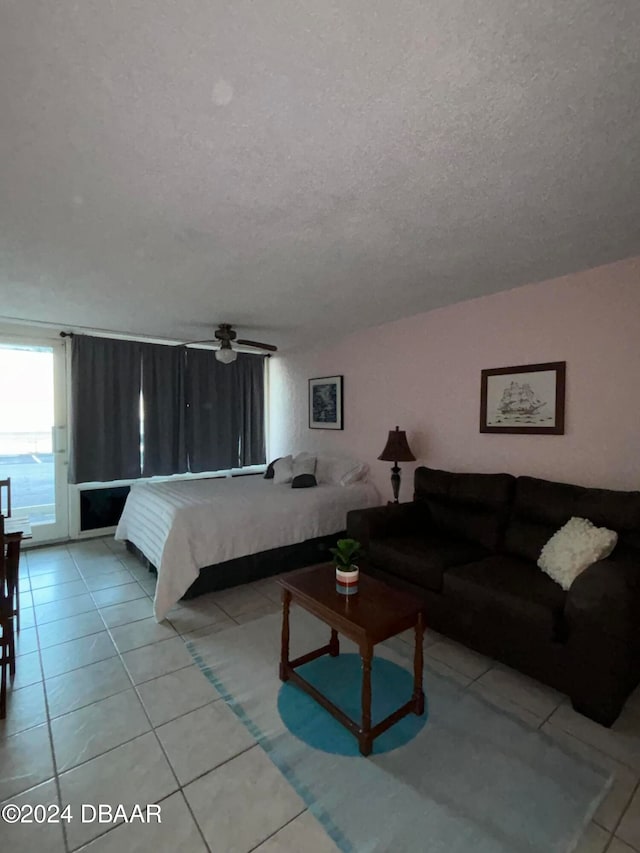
(257, 344)
(188, 343)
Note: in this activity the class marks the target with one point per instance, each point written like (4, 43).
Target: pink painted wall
(423, 373)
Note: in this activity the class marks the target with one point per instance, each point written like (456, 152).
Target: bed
(184, 526)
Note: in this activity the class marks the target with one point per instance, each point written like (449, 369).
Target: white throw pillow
(574, 548)
(339, 471)
(359, 472)
(324, 469)
(304, 463)
(283, 470)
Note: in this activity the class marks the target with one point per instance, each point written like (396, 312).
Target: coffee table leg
(334, 644)
(365, 739)
(284, 648)
(418, 693)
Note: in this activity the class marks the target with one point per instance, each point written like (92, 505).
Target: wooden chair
(13, 582)
(9, 564)
(6, 486)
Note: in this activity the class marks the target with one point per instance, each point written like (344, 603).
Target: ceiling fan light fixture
(225, 354)
(223, 336)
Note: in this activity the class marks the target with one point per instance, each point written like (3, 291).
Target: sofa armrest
(381, 521)
(605, 597)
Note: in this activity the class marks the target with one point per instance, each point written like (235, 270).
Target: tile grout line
(630, 767)
(622, 815)
(284, 825)
(56, 775)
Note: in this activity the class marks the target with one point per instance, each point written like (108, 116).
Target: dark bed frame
(254, 566)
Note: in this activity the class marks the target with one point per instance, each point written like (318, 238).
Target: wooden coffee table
(374, 614)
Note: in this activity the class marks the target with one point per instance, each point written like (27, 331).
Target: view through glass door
(33, 434)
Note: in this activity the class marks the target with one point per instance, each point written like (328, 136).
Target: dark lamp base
(395, 482)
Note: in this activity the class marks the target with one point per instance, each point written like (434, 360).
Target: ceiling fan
(224, 334)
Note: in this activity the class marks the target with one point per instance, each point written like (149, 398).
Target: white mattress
(184, 525)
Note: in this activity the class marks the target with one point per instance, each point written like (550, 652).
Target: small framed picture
(527, 399)
(325, 403)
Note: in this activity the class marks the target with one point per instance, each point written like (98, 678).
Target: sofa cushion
(422, 560)
(474, 507)
(508, 589)
(541, 507)
(604, 600)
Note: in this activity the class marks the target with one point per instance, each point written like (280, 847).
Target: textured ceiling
(302, 168)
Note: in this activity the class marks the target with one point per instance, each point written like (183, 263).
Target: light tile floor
(108, 707)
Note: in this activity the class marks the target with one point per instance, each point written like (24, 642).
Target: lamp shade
(396, 448)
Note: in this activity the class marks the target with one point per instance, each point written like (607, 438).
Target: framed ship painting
(325, 402)
(527, 398)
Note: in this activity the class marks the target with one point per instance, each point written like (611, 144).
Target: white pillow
(304, 463)
(574, 548)
(324, 469)
(283, 470)
(359, 472)
(339, 471)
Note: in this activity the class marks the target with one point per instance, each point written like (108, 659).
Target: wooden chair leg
(4, 661)
(17, 602)
(13, 579)
(11, 649)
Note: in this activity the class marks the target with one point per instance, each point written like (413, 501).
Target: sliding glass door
(33, 434)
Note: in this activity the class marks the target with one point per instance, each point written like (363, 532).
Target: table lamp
(396, 450)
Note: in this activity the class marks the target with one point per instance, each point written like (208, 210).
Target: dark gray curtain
(250, 370)
(222, 401)
(105, 409)
(164, 406)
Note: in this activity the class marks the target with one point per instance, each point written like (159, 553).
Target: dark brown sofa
(468, 543)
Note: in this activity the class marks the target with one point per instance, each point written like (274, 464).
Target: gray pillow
(268, 474)
(303, 481)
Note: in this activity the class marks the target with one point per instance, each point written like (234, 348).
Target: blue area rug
(339, 680)
(469, 778)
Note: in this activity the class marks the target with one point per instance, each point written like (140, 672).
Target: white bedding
(184, 525)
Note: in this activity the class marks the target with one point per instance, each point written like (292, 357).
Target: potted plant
(347, 572)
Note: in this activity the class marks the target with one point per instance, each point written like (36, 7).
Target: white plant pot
(347, 582)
